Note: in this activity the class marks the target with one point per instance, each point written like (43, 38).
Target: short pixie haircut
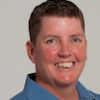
(59, 8)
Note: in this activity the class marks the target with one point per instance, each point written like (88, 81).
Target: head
(59, 8)
(58, 45)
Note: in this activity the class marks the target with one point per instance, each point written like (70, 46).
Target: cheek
(80, 53)
(50, 54)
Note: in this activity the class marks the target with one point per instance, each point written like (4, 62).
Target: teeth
(65, 65)
(57, 65)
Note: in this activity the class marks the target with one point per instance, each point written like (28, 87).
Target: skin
(61, 40)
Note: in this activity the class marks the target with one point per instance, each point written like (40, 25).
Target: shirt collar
(34, 91)
(84, 94)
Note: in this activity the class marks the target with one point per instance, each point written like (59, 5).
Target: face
(60, 51)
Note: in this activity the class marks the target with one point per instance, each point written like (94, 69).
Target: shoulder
(96, 96)
(19, 96)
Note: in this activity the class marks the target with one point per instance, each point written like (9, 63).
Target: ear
(86, 49)
(30, 50)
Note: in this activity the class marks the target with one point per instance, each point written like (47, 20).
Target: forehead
(60, 24)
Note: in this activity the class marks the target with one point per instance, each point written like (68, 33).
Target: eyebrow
(54, 36)
(75, 35)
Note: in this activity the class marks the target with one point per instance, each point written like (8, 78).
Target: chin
(67, 81)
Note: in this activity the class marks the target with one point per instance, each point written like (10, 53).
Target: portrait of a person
(58, 48)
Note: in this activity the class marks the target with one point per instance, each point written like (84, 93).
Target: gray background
(14, 62)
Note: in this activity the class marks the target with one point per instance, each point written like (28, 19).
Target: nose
(65, 51)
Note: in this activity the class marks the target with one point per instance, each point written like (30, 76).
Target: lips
(65, 65)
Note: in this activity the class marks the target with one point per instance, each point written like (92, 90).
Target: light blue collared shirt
(33, 91)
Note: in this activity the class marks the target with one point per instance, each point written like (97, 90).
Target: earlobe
(30, 50)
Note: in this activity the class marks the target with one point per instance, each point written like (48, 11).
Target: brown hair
(60, 8)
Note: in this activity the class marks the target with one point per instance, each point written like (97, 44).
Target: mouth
(64, 65)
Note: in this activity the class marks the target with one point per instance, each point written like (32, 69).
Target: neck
(63, 92)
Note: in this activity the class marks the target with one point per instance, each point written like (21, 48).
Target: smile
(65, 65)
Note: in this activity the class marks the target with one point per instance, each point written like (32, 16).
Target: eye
(76, 40)
(51, 41)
